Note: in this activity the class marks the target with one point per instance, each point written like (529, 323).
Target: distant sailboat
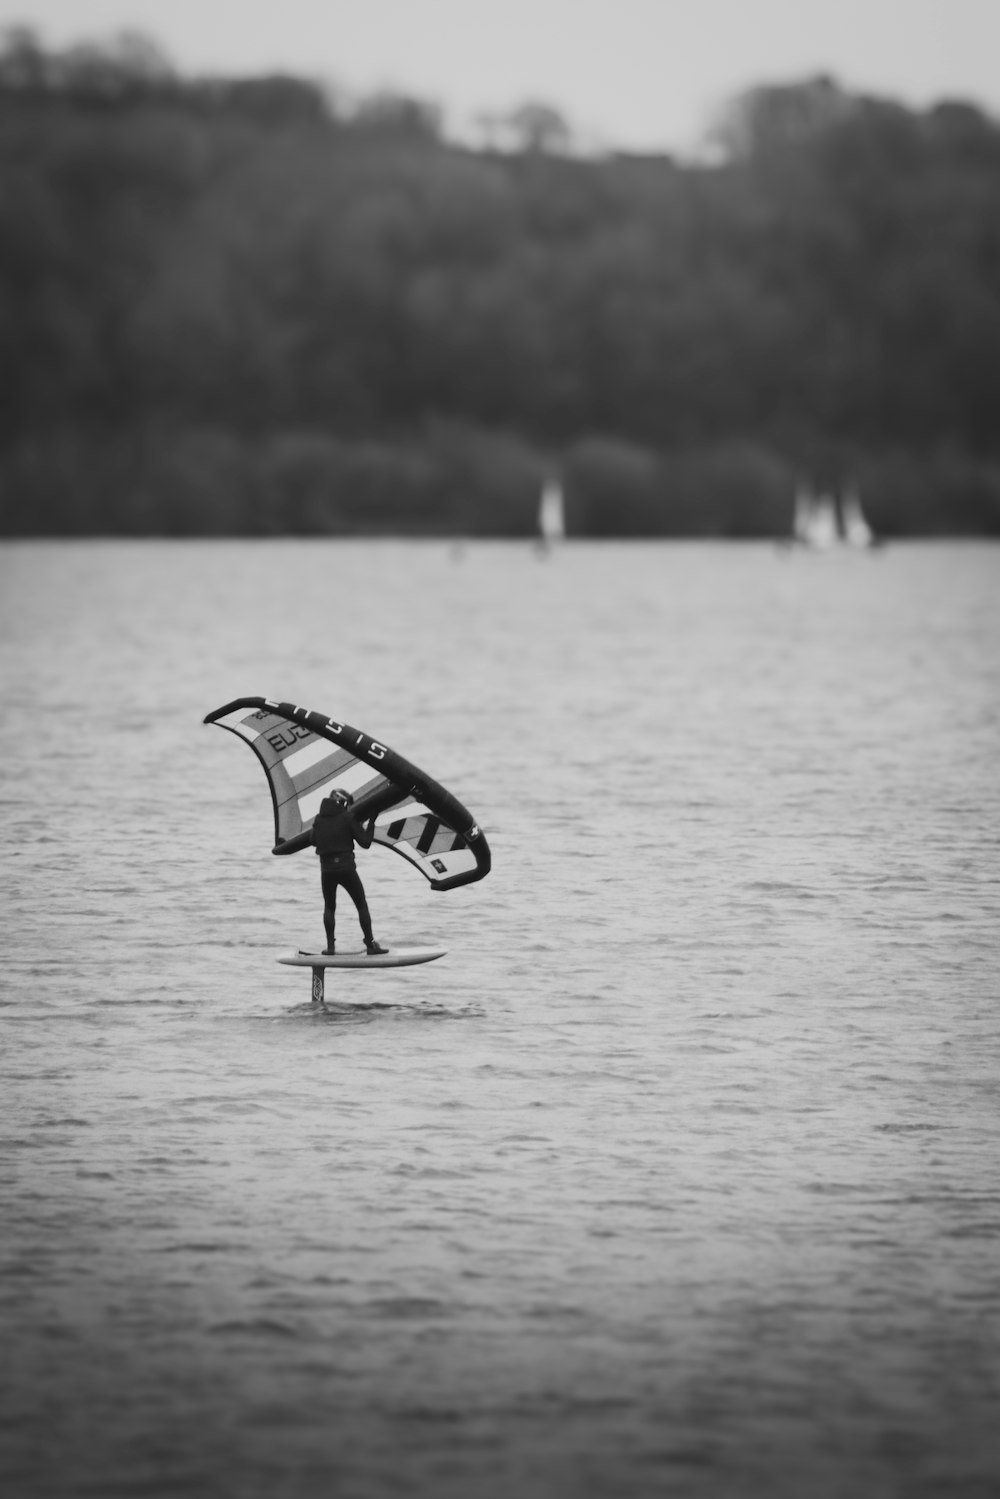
(857, 531)
(815, 523)
(551, 513)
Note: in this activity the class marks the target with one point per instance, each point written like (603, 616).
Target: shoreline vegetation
(237, 308)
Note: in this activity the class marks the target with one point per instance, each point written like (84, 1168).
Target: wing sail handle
(307, 755)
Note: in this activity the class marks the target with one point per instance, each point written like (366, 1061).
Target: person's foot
(373, 948)
(328, 952)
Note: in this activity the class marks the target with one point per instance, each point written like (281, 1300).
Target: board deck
(396, 957)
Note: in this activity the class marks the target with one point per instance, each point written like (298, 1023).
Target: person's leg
(352, 884)
(330, 881)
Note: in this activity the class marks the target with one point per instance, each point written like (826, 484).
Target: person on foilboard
(334, 833)
(426, 823)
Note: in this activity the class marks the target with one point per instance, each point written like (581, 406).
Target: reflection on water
(335, 1012)
(677, 1174)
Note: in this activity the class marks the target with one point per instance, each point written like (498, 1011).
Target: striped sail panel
(423, 838)
(302, 768)
(306, 755)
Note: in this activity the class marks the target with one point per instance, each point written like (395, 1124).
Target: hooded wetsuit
(335, 832)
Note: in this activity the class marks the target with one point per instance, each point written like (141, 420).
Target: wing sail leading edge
(307, 755)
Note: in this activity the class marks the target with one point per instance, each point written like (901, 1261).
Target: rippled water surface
(677, 1176)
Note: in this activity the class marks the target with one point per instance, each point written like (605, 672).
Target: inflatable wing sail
(306, 755)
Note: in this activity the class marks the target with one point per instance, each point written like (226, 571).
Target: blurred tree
(127, 69)
(299, 297)
(397, 116)
(25, 66)
(275, 100)
(534, 126)
(773, 119)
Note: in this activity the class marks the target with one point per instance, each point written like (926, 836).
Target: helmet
(342, 798)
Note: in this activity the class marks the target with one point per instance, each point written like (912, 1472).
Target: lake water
(677, 1176)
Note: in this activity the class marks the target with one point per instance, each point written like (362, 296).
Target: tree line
(237, 307)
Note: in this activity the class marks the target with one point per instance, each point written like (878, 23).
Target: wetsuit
(335, 832)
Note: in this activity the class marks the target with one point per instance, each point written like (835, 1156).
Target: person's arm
(363, 833)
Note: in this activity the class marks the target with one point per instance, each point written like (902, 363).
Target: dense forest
(236, 307)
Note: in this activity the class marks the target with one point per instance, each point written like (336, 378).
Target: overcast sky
(640, 74)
